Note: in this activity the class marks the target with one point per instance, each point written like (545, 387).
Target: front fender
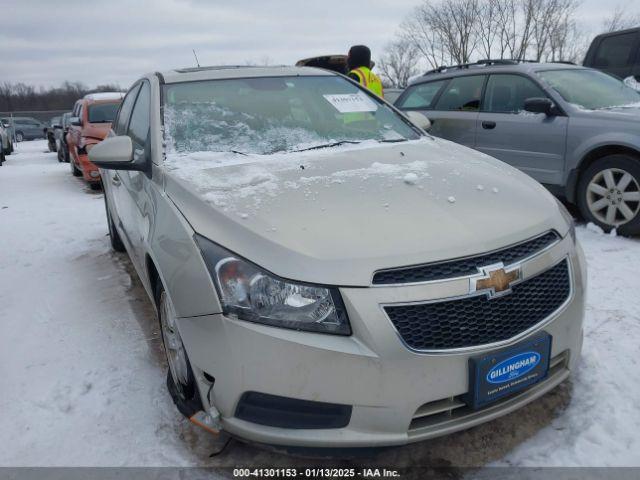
(177, 259)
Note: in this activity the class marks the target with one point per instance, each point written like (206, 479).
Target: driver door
(533, 143)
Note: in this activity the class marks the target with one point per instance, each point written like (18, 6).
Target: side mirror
(75, 121)
(539, 105)
(419, 120)
(115, 153)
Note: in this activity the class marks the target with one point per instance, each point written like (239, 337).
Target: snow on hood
(336, 215)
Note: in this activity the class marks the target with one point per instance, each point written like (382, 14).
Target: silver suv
(575, 130)
(325, 273)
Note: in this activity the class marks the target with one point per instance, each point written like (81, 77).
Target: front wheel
(19, 137)
(609, 193)
(180, 378)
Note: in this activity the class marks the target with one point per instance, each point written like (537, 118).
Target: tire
(114, 236)
(19, 137)
(95, 186)
(609, 193)
(181, 381)
(74, 170)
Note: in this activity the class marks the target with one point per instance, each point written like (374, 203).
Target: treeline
(16, 97)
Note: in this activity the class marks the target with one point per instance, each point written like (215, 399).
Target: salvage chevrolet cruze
(325, 272)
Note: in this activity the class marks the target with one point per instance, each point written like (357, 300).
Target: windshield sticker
(351, 102)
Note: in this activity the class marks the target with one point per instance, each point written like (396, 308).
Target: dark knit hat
(359, 56)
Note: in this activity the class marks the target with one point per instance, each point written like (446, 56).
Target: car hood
(335, 216)
(625, 113)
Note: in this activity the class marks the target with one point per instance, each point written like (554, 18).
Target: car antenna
(194, 54)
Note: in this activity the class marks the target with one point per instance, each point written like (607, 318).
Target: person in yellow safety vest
(359, 68)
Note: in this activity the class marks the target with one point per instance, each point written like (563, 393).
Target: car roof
(617, 32)
(104, 96)
(237, 71)
(480, 68)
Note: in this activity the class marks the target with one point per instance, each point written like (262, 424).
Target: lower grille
(434, 415)
(475, 321)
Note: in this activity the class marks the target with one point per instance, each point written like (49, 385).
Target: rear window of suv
(103, 112)
(421, 96)
(615, 51)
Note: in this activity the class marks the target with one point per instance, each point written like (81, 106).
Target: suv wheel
(114, 236)
(19, 137)
(609, 193)
(180, 378)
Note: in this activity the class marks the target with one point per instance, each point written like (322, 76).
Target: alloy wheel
(173, 346)
(613, 196)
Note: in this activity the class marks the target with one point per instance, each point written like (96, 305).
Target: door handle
(488, 125)
(116, 180)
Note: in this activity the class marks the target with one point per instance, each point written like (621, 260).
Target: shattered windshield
(266, 115)
(591, 89)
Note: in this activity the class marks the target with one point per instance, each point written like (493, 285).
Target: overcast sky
(115, 41)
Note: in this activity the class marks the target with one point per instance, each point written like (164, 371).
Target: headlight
(253, 294)
(569, 218)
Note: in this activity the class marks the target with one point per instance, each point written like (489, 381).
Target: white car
(325, 273)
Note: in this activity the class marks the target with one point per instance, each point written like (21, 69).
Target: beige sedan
(327, 274)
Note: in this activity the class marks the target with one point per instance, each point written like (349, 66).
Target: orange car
(90, 124)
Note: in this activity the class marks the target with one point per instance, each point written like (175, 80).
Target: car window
(507, 93)
(139, 124)
(614, 51)
(462, 93)
(102, 112)
(421, 96)
(122, 120)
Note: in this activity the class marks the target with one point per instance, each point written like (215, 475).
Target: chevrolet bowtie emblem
(494, 280)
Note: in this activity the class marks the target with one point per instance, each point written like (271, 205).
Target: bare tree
(444, 30)
(620, 19)
(398, 63)
(488, 27)
(461, 30)
(19, 96)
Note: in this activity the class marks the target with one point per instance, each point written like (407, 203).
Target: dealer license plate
(504, 372)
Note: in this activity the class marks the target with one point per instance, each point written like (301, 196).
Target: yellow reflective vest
(369, 80)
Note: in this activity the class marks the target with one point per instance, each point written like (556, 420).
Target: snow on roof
(104, 96)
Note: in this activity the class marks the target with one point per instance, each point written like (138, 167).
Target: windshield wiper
(239, 152)
(393, 140)
(327, 145)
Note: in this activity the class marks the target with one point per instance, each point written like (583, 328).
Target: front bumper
(398, 396)
(90, 172)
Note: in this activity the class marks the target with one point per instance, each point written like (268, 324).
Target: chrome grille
(477, 320)
(464, 266)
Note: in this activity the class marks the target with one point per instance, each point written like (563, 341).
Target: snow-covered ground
(82, 374)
